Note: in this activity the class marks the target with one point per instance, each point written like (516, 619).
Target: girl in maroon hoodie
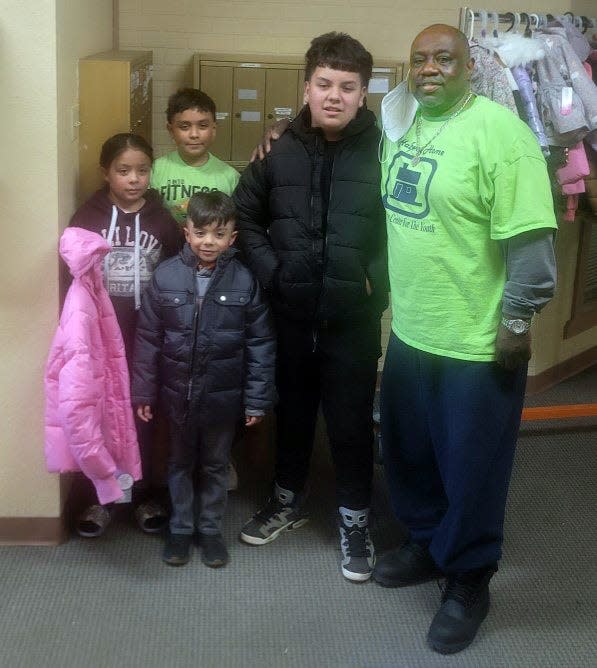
(142, 233)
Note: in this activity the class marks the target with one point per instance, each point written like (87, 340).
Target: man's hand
(252, 420)
(512, 350)
(144, 413)
(271, 133)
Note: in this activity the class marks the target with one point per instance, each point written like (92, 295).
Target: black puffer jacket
(315, 267)
(229, 345)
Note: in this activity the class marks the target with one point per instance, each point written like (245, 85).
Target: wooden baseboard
(560, 372)
(32, 531)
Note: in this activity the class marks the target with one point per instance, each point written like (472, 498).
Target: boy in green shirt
(191, 168)
(191, 122)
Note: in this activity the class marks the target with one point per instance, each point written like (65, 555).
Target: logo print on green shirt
(406, 189)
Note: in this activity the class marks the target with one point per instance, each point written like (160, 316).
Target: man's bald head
(443, 28)
(440, 68)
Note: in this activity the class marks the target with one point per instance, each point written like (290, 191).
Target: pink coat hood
(89, 423)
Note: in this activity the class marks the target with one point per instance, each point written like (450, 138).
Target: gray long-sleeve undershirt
(530, 271)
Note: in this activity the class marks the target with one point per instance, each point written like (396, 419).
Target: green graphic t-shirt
(481, 179)
(177, 181)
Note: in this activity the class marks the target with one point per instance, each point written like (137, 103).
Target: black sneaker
(213, 550)
(356, 545)
(282, 512)
(465, 604)
(177, 550)
(410, 564)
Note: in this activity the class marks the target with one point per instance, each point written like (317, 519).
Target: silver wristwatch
(517, 325)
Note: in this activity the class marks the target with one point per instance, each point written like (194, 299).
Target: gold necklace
(419, 151)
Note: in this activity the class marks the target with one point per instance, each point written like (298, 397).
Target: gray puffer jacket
(218, 359)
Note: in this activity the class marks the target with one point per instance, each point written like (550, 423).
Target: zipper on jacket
(216, 274)
(325, 236)
(193, 346)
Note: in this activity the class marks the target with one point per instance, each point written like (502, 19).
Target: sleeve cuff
(108, 490)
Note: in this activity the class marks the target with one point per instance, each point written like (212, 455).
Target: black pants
(336, 366)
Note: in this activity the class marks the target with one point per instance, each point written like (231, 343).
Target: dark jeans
(198, 476)
(336, 366)
(449, 430)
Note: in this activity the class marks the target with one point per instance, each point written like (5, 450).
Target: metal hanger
(496, 23)
(471, 29)
(483, 22)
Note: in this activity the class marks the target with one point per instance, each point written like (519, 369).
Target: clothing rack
(472, 20)
(472, 23)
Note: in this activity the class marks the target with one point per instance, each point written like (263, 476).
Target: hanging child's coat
(89, 423)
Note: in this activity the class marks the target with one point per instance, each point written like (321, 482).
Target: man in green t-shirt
(470, 248)
(191, 168)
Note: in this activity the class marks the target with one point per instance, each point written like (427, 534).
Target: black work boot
(409, 565)
(465, 604)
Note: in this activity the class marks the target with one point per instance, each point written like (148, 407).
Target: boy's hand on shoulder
(144, 413)
(271, 133)
(252, 420)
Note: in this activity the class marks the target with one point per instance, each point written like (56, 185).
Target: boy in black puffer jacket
(312, 228)
(205, 344)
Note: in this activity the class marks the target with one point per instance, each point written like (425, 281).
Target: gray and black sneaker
(282, 512)
(357, 549)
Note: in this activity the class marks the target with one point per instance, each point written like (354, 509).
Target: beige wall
(584, 7)
(38, 172)
(548, 342)
(177, 29)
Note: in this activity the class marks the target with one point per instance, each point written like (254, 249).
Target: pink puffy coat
(89, 419)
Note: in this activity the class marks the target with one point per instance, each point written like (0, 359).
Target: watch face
(518, 326)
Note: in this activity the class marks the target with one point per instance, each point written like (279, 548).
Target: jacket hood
(101, 205)
(563, 27)
(301, 125)
(513, 49)
(81, 249)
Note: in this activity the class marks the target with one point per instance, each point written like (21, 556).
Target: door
(216, 81)
(248, 110)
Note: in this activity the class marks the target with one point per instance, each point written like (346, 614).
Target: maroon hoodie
(133, 258)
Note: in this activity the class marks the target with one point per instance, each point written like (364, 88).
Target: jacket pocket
(177, 309)
(232, 297)
(229, 309)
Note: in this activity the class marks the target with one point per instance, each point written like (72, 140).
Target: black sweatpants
(449, 430)
(336, 366)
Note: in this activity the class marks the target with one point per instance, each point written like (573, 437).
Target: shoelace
(272, 508)
(463, 588)
(356, 542)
